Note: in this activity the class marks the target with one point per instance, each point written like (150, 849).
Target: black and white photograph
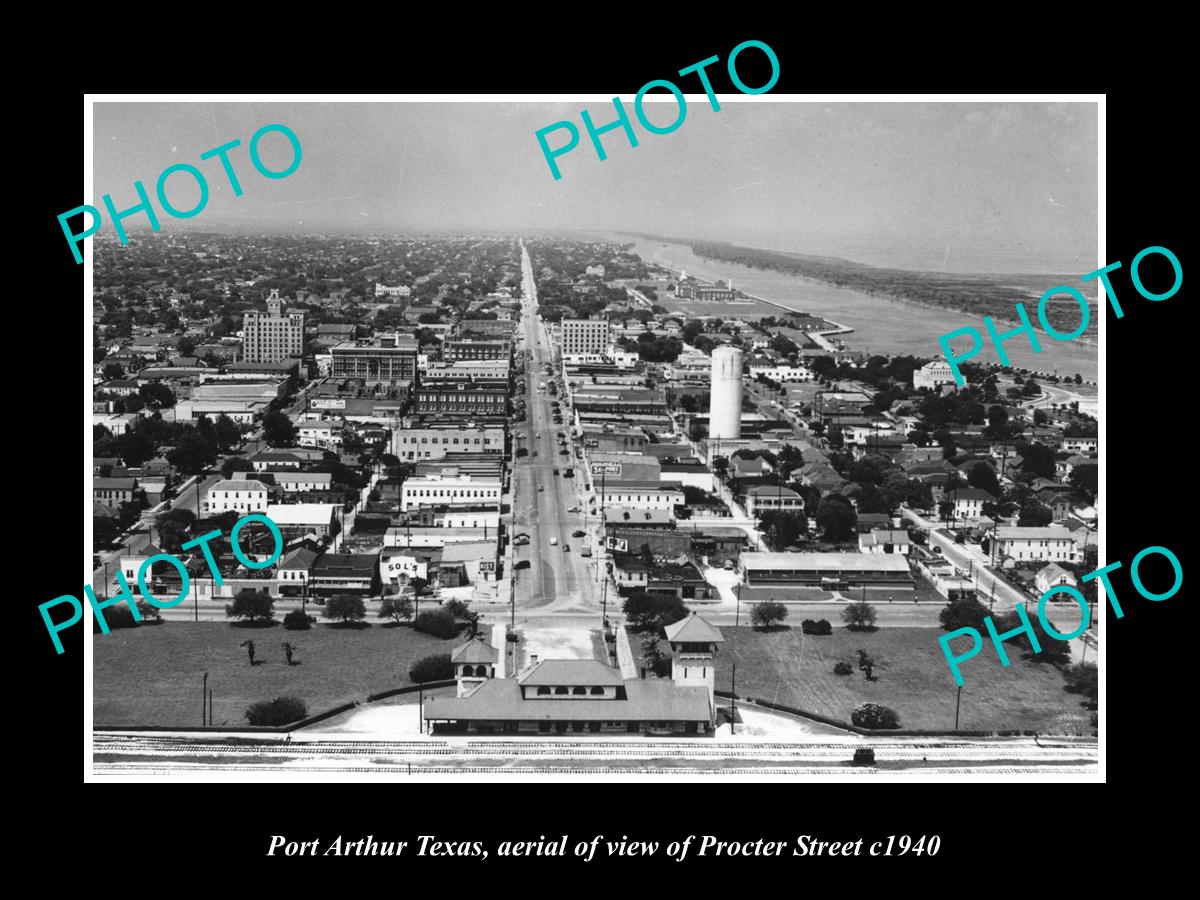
(687, 436)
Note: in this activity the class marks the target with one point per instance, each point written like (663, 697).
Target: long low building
(640, 494)
(830, 571)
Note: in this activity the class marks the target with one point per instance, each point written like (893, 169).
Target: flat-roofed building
(448, 488)
(242, 495)
(390, 359)
(462, 398)
(830, 571)
(585, 335)
(469, 349)
(435, 441)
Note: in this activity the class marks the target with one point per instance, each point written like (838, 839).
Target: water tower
(725, 409)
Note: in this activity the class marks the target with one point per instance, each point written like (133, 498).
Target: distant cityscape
(543, 486)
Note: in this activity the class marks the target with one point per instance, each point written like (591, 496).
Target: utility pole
(733, 702)
(203, 698)
(737, 616)
(957, 704)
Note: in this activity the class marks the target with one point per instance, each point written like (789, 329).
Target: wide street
(558, 581)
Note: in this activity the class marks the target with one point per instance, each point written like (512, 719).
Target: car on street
(566, 548)
(553, 542)
(541, 489)
(728, 565)
(579, 533)
(573, 509)
(564, 452)
(556, 470)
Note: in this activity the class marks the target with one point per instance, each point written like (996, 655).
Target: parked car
(579, 533)
(728, 565)
(541, 489)
(553, 542)
(573, 509)
(566, 548)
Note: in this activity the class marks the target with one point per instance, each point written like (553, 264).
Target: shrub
(843, 668)
(432, 668)
(437, 623)
(149, 612)
(280, 711)
(819, 627)
(872, 715)
(296, 621)
(1083, 678)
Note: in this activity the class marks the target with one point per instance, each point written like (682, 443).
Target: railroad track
(964, 751)
(686, 771)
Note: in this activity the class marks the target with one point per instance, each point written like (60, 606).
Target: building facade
(390, 359)
(585, 336)
(435, 442)
(448, 488)
(462, 398)
(274, 335)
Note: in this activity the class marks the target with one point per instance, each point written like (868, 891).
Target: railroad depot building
(584, 696)
(827, 571)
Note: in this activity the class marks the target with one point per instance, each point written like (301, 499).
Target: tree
(1083, 678)
(651, 612)
(251, 605)
(436, 667)
(1036, 459)
(112, 370)
(1085, 479)
(346, 608)
(398, 608)
(651, 652)
(193, 453)
(278, 430)
(280, 711)
(966, 612)
(783, 527)
(227, 433)
(419, 585)
(174, 526)
(859, 616)
(983, 476)
(836, 518)
(768, 613)
(236, 464)
(157, 394)
(688, 403)
(1035, 514)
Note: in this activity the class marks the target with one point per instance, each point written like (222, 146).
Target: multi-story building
(664, 495)
(113, 491)
(449, 487)
(467, 370)
(242, 495)
(462, 398)
(392, 293)
(274, 335)
(435, 441)
(585, 335)
(1052, 543)
(391, 359)
(463, 349)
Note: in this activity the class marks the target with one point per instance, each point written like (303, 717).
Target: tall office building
(272, 336)
(584, 336)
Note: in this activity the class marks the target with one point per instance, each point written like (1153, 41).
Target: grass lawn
(912, 677)
(152, 675)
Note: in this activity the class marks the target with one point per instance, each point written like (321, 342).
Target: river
(881, 325)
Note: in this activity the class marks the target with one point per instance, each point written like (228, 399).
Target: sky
(946, 186)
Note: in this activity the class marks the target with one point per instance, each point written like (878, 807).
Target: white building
(398, 292)
(781, 372)
(885, 540)
(932, 375)
(449, 487)
(1052, 575)
(641, 494)
(242, 495)
(293, 482)
(1053, 543)
(1080, 445)
(299, 519)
